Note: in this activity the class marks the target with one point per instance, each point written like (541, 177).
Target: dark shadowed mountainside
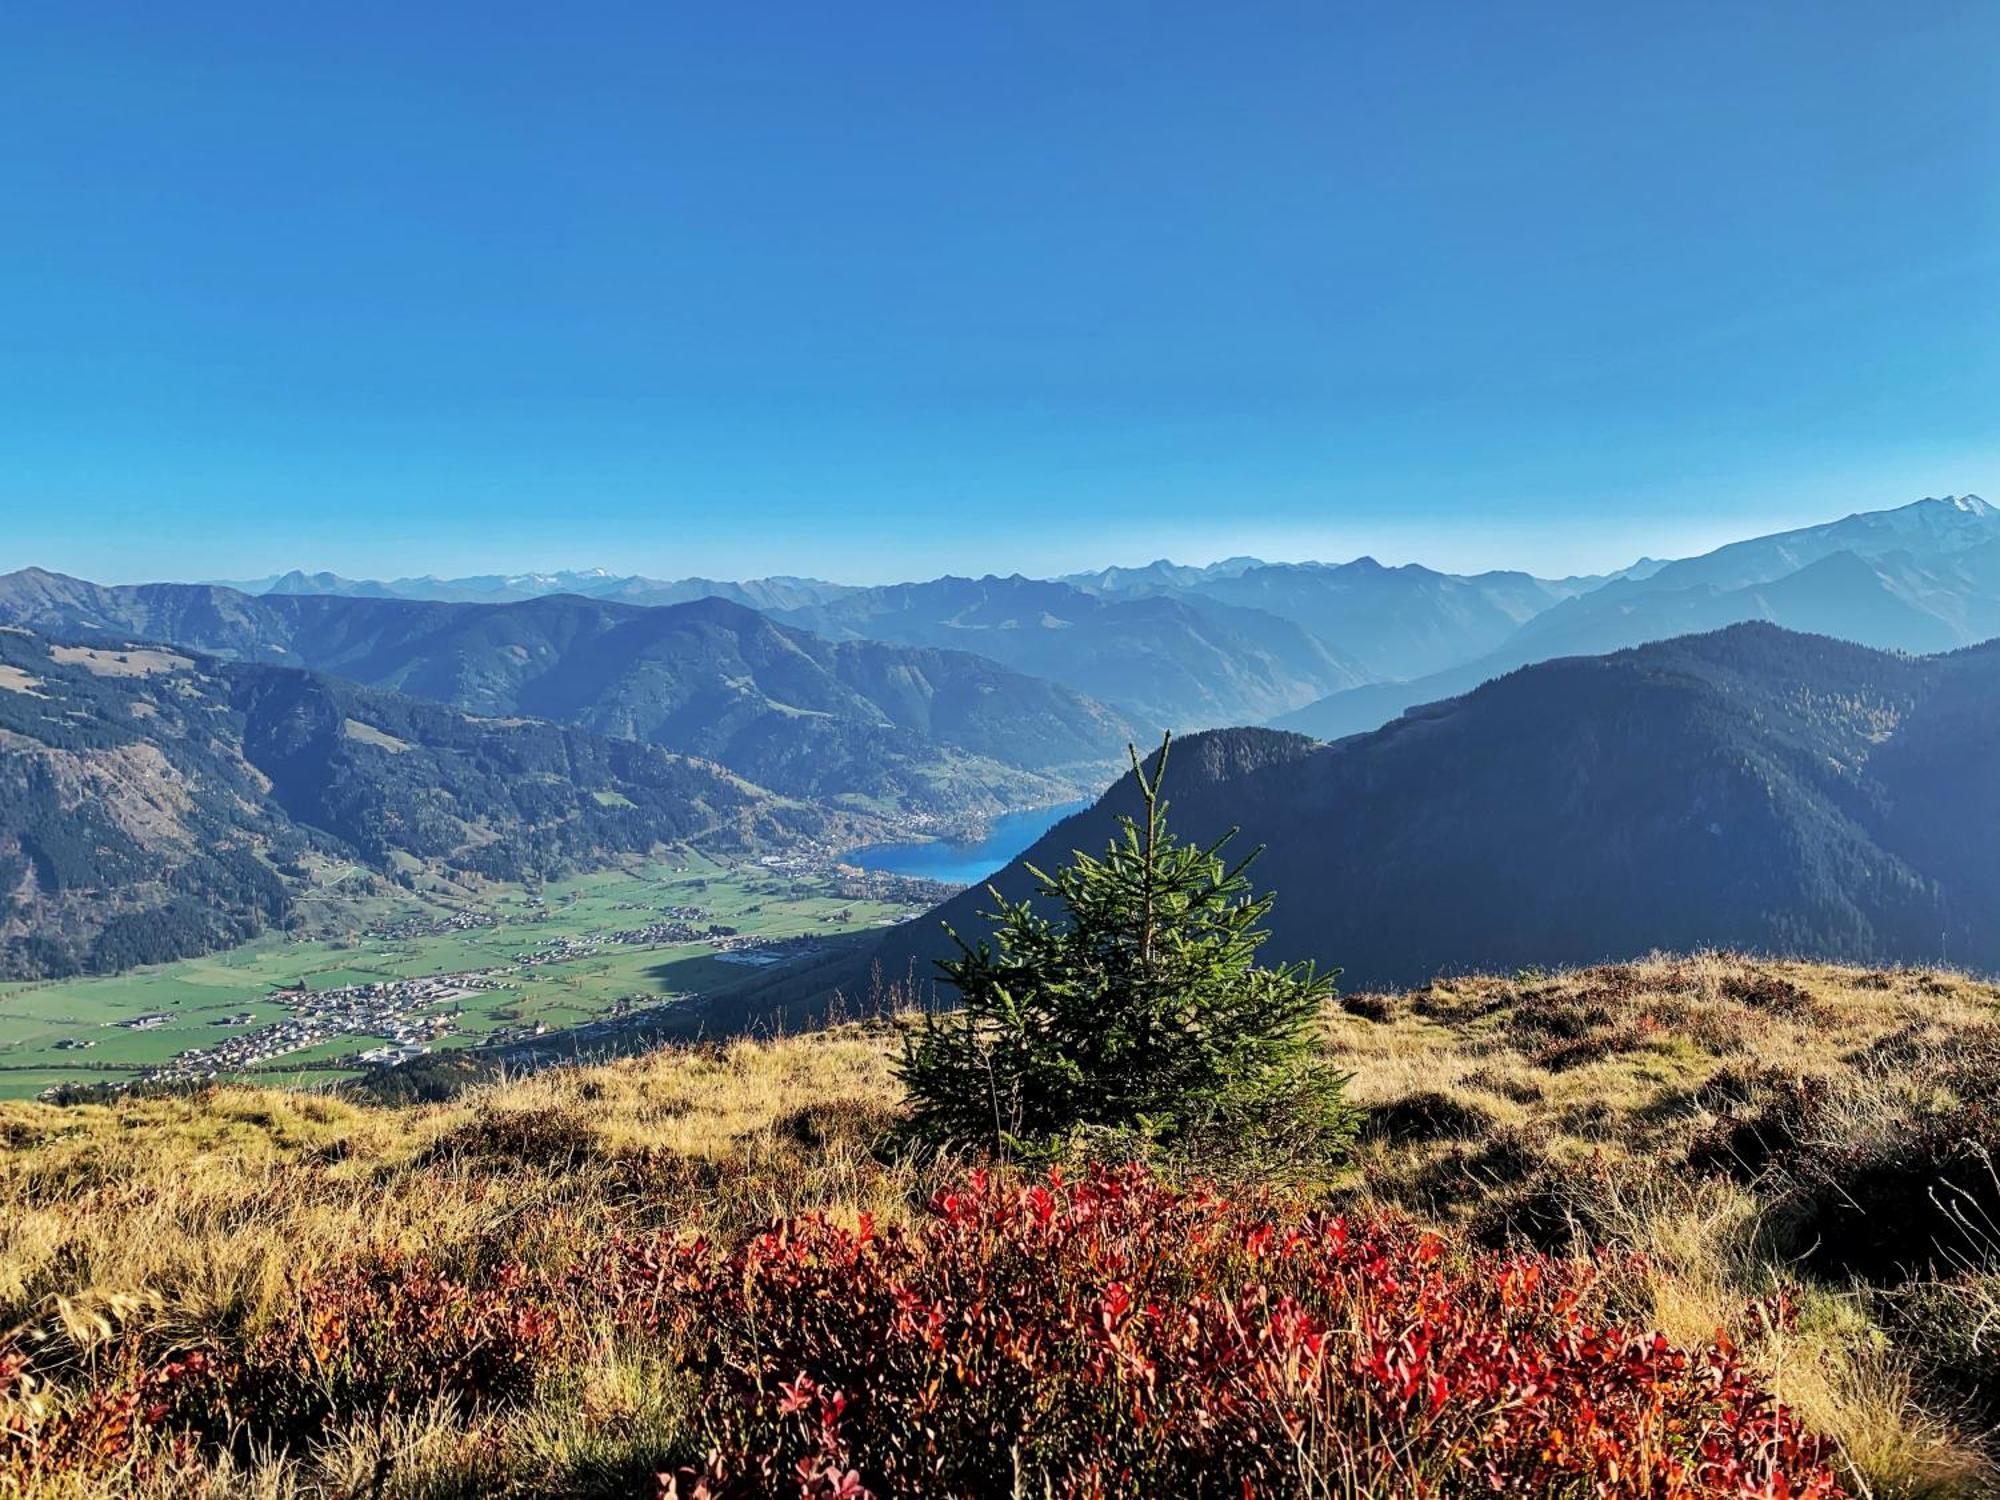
(1754, 789)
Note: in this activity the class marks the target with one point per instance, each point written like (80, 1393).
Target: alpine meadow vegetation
(1591, 1240)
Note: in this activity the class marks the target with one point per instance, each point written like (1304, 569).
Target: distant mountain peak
(1936, 505)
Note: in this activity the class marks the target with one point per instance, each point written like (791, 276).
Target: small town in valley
(406, 1018)
(409, 1013)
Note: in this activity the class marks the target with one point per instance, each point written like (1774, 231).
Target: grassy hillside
(484, 1296)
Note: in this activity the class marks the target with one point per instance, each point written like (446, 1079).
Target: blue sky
(888, 290)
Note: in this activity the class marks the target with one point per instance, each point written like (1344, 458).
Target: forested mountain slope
(1752, 788)
(879, 725)
(156, 803)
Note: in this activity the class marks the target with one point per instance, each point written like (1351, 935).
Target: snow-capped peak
(1926, 515)
(548, 580)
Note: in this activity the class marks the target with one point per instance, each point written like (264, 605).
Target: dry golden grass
(1564, 1107)
(196, 1218)
(204, 1208)
(132, 661)
(1614, 1060)
(1558, 1107)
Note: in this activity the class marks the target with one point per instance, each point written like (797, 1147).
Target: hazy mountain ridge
(778, 592)
(156, 804)
(1160, 573)
(1243, 640)
(925, 730)
(1922, 578)
(1163, 659)
(1253, 639)
(1752, 788)
(1397, 622)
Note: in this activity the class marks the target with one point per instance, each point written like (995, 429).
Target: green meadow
(203, 995)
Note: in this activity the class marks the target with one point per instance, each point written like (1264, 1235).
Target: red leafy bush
(1114, 1336)
(1109, 1336)
(391, 1331)
(49, 1432)
(375, 1333)
(40, 1437)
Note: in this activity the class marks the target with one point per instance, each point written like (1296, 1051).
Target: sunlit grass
(1558, 1108)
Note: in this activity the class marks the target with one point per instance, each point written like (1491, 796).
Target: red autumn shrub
(40, 1437)
(392, 1331)
(1114, 1336)
(1110, 1336)
(50, 1432)
(378, 1332)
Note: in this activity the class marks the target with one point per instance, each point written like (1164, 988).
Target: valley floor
(550, 958)
(1797, 1155)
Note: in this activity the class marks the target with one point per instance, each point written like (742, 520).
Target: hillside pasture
(1737, 1154)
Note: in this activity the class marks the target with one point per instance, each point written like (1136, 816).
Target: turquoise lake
(965, 863)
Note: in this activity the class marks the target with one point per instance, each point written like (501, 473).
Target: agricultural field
(219, 995)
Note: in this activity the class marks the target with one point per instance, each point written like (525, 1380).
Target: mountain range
(587, 583)
(1392, 622)
(1752, 788)
(1561, 794)
(1924, 577)
(1163, 659)
(875, 725)
(157, 803)
(1331, 649)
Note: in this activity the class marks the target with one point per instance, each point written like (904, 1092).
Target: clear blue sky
(885, 290)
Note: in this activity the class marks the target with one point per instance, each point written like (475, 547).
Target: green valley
(552, 952)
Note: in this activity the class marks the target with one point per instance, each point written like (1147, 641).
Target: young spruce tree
(1137, 1019)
